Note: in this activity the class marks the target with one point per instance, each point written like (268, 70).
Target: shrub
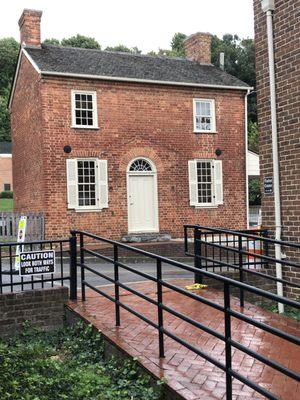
(68, 364)
(6, 195)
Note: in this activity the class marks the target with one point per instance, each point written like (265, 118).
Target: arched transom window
(140, 165)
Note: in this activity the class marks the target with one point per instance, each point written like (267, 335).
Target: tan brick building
(117, 143)
(5, 167)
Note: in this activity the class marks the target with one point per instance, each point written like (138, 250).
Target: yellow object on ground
(196, 286)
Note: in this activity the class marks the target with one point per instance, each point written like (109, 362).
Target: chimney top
(30, 27)
(198, 47)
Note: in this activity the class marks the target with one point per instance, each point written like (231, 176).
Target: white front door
(142, 203)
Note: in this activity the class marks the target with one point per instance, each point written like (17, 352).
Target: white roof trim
(121, 79)
(31, 61)
(5, 155)
(22, 51)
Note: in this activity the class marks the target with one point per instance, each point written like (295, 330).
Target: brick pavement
(190, 375)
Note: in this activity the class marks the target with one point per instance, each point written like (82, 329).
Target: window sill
(82, 210)
(201, 207)
(206, 132)
(85, 127)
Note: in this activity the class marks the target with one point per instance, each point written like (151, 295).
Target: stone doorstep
(111, 348)
(146, 237)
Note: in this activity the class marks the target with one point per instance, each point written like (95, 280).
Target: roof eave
(150, 81)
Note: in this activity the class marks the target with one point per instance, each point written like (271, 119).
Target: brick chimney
(30, 27)
(198, 47)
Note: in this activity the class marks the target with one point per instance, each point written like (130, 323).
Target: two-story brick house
(118, 143)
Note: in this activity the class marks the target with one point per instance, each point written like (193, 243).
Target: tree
(81, 41)
(52, 41)
(124, 49)
(254, 192)
(9, 49)
(253, 136)
(177, 45)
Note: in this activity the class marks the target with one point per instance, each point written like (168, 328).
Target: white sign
(20, 239)
(37, 262)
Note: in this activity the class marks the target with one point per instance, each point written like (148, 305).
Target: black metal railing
(227, 308)
(251, 253)
(65, 271)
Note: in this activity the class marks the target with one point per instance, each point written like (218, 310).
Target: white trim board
(137, 80)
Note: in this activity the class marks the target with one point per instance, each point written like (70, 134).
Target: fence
(246, 252)
(65, 268)
(227, 309)
(9, 226)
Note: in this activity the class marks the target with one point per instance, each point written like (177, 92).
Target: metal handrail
(162, 331)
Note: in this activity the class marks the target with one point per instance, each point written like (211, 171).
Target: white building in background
(253, 172)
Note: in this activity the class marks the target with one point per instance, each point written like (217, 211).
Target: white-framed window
(84, 109)
(87, 184)
(204, 115)
(205, 182)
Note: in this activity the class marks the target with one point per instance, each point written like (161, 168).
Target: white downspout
(246, 155)
(268, 7)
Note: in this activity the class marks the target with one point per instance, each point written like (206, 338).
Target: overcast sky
(149, 25)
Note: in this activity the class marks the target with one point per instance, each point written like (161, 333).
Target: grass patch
(6, 204)
(68, 364)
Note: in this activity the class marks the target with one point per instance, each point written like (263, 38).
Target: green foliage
(289, 311)
(68, 364)
(254, 192)
(81, 41)
(7, 194)
(53, 41)
(9, 49)
(4, 120)
(177, 47)
(124, 49)
(253, 136)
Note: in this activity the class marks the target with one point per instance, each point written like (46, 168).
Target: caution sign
(37, 262)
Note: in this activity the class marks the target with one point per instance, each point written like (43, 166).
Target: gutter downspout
(246, 155)
(268, 7)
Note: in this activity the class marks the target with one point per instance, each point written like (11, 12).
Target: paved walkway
(185, 372)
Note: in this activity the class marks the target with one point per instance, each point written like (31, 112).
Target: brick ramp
(189, 375)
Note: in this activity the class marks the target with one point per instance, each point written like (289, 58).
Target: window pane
(86, 183)
(204, 176)
(84, 109)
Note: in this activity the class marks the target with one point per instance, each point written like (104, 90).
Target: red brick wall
(198, 47)
(287, 61)
(43, 308)
(27, 137)
(141, 120)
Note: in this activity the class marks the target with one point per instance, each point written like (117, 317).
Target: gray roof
(70, 60)
(5, 147)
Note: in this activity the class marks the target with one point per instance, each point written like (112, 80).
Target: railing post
(117, 293)
(160, 310)
(265, 234)
(82, 270)
(241, 271)
(228, 356)
(73, 266)
(197, 254)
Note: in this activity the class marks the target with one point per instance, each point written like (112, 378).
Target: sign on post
(37, 262)
(268, 185)
(20, 239)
